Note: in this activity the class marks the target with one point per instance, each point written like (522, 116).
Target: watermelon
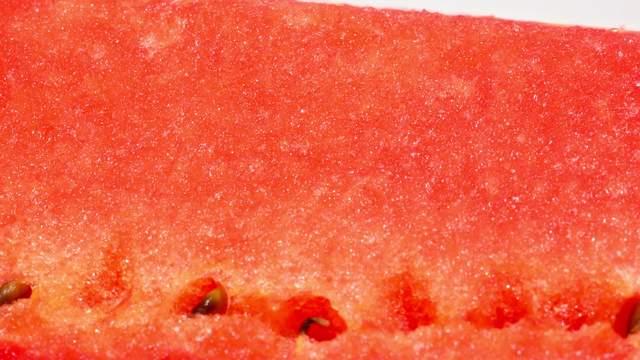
(270, 179)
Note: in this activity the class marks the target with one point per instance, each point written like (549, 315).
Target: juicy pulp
(454, 186)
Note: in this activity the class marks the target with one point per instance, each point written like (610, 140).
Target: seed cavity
(202, 296)
(214, 302)
(627, 320)
(14, 290)
(409, 305)
(634, 322)
(309, 315)
(503, 301)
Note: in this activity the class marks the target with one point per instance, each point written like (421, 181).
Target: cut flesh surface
(361, 183)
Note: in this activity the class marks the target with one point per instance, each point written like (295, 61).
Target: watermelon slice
(270, 179)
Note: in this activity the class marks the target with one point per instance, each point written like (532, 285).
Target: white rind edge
(609, 14)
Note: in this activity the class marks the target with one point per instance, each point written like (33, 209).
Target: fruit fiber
(346, 182)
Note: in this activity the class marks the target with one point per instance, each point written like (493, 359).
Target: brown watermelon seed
(214, 302)
(634, 321)
(14, 290)
(313, 320)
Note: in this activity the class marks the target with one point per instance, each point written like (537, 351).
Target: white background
(595, 13)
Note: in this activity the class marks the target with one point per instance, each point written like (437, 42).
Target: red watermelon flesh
(428, 186)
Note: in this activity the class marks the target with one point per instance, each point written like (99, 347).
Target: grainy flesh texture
(456, 187)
